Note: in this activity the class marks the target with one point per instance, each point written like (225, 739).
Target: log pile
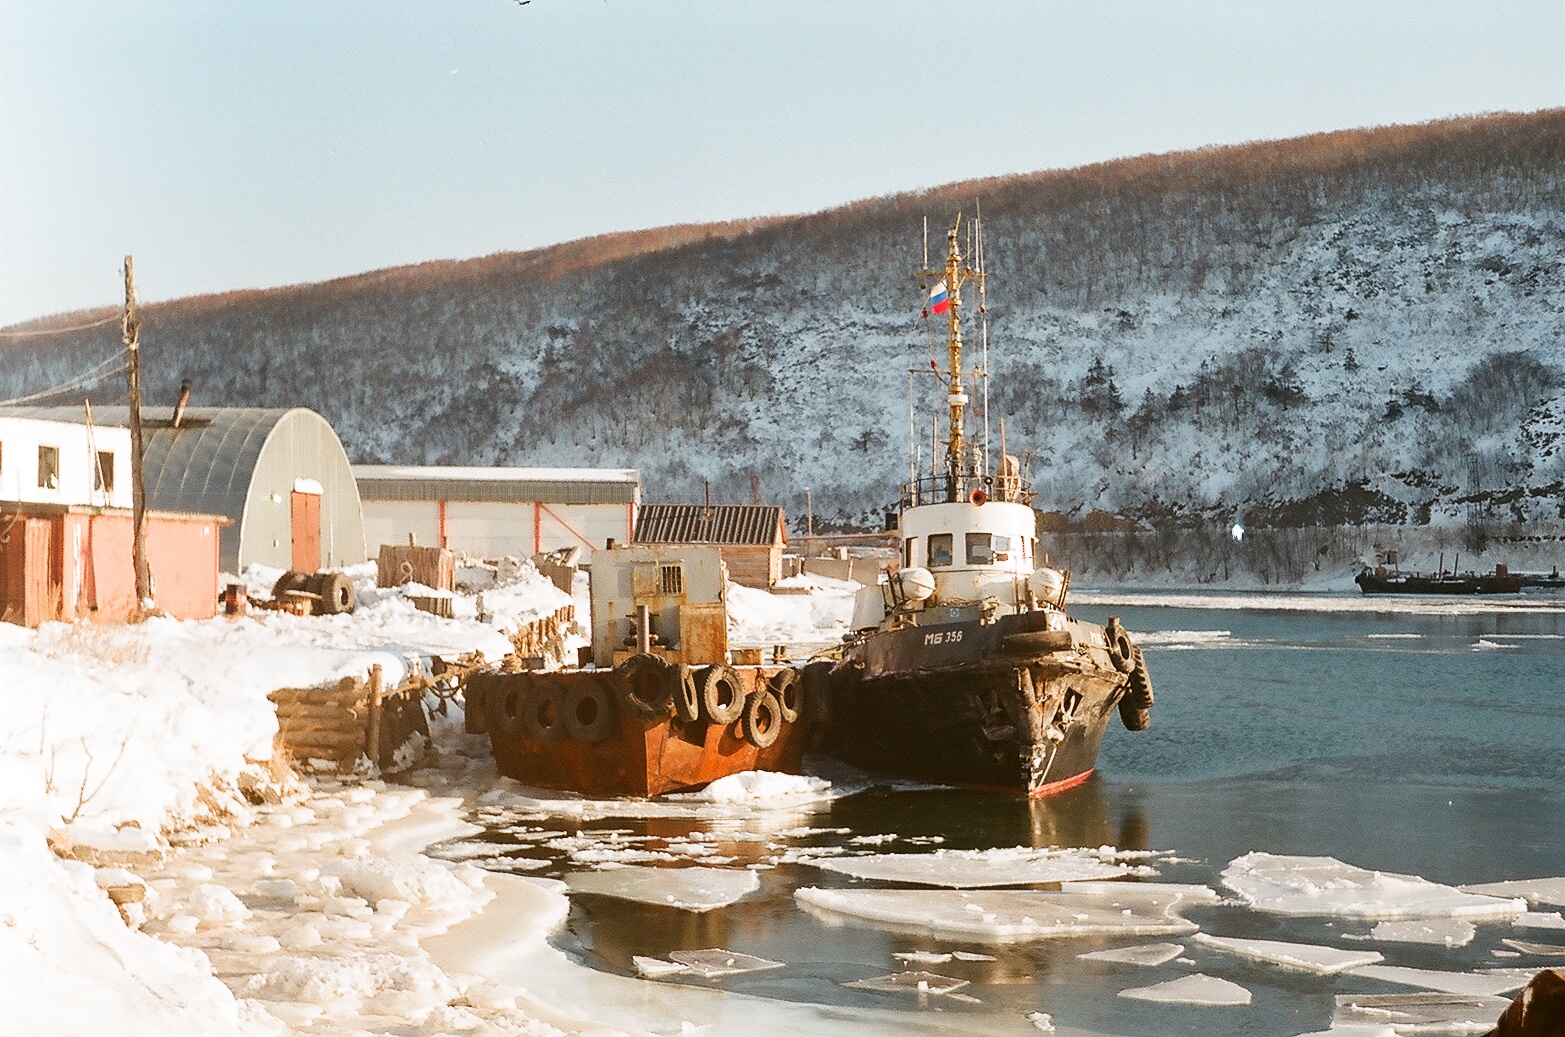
(543, 638)
(352, 718)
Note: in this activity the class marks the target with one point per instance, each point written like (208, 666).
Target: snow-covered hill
(1359, 326)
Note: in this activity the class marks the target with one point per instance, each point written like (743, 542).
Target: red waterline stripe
(1060, 786)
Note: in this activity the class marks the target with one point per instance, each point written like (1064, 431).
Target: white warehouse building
(491, 512)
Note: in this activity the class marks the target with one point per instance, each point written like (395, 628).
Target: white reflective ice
(910, 982)
(1301, 957)
(1418, 1013)
(1140, 954)
(1442, 932)
(1472, 983)
(1194, 989)
(715, 961)
(1326, 886)
(1080, 909)
(1535, 891)
(976, 869)
(689, 889)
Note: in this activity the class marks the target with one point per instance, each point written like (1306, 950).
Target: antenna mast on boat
(983, 325)
(955, 274)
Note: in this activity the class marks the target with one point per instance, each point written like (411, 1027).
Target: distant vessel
(964, 667)
(1388, 578)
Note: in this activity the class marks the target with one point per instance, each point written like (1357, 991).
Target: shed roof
(519, 485)
(736, 524)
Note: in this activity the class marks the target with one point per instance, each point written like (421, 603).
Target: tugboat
(963, 667)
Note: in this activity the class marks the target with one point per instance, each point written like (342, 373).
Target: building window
(103, 472)
(671, 579)
(49, 468)
(939, 550)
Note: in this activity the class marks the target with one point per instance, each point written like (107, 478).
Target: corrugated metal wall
(301, 445)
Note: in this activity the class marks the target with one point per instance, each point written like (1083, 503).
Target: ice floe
(1140, 954)
(1080, 909)
(1539, 920)
(923, 957)
(1471, 983)
(972, 956)
(1290, 885)
(740, 798)
(910, 983)
(1418, 1013)
(765, 787)
(1547, 950)
(655, 968)
(689, 889)
(1194, 989)
(976, 869)
(1302, 957)
(1442, 932)
(1534, 891)
(714, 962)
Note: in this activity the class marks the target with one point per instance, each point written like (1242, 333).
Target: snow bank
(1325, 886)
(819, 617)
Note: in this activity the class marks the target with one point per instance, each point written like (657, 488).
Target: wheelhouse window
(48, 468)
(939, 550)
(103, 472)
(987, 549)
(907, 552)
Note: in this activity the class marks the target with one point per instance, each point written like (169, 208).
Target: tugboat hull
(968, 704)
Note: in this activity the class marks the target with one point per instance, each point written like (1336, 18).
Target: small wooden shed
(750, 537)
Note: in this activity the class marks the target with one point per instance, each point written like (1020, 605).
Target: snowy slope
(1345, 327)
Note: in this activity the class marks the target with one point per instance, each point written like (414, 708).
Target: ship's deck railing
(943, 489)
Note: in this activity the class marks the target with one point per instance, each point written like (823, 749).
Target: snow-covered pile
(818, 617)
(118, 736)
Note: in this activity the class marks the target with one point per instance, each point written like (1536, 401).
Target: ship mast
(955, 275)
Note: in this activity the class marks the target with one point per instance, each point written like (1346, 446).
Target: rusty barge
(661, 705)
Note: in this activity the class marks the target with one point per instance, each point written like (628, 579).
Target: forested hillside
(1349, 327)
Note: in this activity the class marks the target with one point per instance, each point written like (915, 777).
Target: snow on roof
(453, 472)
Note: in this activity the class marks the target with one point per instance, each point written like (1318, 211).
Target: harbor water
(1409, 736)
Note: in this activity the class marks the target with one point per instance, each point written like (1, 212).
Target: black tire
(589, 710)
(1134, 719)
(543, 715)
(722, 694)
(1037, 642)
(687, 698)
(1141, 683)
(289, 581)
(475, 719)
(645, 685)
(505, 703)
(337, 595)
(1122, 650)
(789, 689)
(761, 719)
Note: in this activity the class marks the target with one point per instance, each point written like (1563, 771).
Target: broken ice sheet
(689, 889)
(910, 982)
(1420, 1013)
(1194, 989)
(1470, 983)
(1539, 920)
(1548, 950)
(1301, 957)
(1442, 932)
(971, 956)
(1140, 954)
(1290, 885)
(992, 916)
(975, 869)
(655, 968)
(1535, 891)
(715, 961)
(923, 957)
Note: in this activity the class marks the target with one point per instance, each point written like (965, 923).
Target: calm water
(1412, 739)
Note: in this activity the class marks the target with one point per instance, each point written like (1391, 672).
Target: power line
(60, 331)
(96, 373)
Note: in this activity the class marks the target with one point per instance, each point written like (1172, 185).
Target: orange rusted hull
(647, 758)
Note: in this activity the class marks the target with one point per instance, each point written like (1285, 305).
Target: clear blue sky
(250, 144)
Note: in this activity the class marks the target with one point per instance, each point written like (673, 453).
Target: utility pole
(130, 331)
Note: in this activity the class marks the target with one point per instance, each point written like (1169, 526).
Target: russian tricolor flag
(939, 301)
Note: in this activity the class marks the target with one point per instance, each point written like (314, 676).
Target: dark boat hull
(1491, 583)
(949, 703)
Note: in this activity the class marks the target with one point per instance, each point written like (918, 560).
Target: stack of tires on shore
(645, 690)
(317, 594)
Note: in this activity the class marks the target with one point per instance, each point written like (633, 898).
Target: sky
(251, 144)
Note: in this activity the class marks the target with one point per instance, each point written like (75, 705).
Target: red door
(306, 528)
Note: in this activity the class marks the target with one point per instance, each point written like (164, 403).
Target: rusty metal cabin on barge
(751, 537)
